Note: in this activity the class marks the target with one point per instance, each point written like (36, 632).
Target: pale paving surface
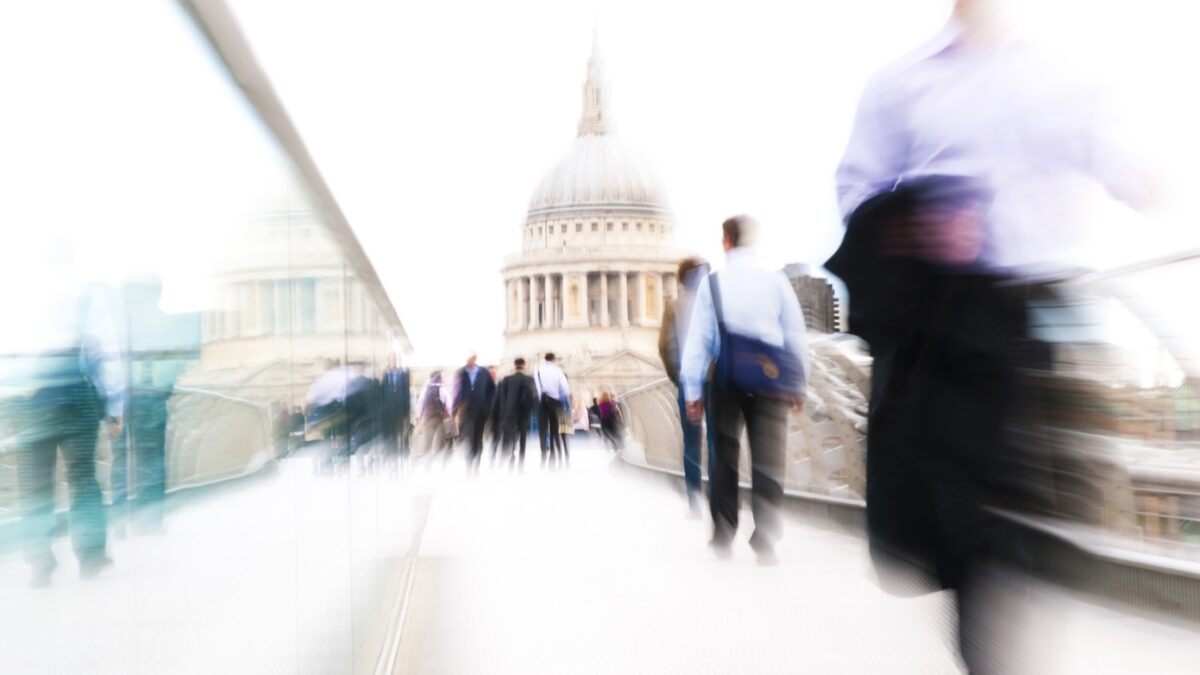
(284, 574)
(591, 570)
(595, 570)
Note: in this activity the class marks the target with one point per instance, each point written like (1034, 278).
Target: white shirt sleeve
(102, 355)
(564, 388)
(875, 154)
(701, 345)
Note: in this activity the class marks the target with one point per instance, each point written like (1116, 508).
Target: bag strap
(715, 291)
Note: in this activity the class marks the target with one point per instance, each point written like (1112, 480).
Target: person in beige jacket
(677, 315)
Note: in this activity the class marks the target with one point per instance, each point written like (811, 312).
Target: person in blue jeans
(671, 337)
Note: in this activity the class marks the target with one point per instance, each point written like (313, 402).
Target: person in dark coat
(160, 348)
(515, 400)
(397, 407)
(472, 406)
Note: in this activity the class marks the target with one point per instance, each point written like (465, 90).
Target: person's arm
(875, 154)
(496, 402)
(421, 406)
(701, 345)
(102, 356)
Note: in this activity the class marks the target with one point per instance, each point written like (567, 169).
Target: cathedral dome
(599, 170)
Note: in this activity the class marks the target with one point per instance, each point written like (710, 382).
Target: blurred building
(285, 305)
(816, 298)
(597, 260)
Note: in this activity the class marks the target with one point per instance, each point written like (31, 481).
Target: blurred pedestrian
(472, 407)
(579, 415)
(516, 399)
(552, 389)
(397, 408)
(432, 414)
(594, 418)
(61, 375)
(672, 336)
(748, 319)
(955, 182)
(566, 427)
(612, 422)
(160, 348)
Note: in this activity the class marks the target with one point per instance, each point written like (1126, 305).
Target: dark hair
(687, 265)
(519, 363)
(738, 230)
(549, 356)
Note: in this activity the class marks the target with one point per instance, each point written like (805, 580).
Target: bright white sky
(433, 122)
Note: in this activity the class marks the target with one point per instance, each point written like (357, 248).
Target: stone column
(639, 298)
(509, 305)
(671, 287)
(662, 296)
(549, 302)
(533, 304)
(623, 303)
(522, 303)
(585, 302)
(604, 299)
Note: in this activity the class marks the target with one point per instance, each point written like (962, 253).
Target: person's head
(605, 397)
(687, 271)
(594, 401)
(738, 232)
(519, 365)
(436, 377)
(549, 357)
(472, 359)
(392, 360)
(987, 21)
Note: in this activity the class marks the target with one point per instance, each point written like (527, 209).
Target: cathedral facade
(598, 259)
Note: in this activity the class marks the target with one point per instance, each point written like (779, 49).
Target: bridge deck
(597, 570)
(592, 569)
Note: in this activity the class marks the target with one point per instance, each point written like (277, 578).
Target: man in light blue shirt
(756, 302)
(553, 391)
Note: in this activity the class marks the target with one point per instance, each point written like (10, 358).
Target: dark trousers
(144, 441)
(765, 421)
(64, 420)
(149, 433)
(474, 425)
(514, 435)
(118, 477)
(691, 443)
(548, 412)
(942, 403)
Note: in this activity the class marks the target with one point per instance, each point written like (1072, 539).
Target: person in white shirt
(61, 373)
(552, 390)
(959, 180)
(758, 303)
